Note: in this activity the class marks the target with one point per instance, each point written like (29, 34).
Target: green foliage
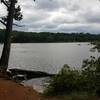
(69, 80)
(91, 72)
(64, 82)
(47, 37)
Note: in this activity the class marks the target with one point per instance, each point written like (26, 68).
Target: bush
(64, 82)
(69, 80)
(91, 72)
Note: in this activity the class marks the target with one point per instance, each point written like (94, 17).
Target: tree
(13, 13)
(7, 21)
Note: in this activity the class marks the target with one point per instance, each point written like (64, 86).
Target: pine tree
(14, 12)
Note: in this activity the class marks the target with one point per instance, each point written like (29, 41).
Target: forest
(48, 37)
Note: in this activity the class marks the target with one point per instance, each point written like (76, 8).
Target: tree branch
(2, 22)
(5, 3)
(17, 25)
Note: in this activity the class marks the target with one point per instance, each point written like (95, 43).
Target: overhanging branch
(5, 3)
(17, 25)
(2, 22)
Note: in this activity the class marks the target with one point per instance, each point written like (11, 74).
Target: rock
(27, 74)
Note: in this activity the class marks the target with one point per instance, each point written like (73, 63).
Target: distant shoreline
(48, 37)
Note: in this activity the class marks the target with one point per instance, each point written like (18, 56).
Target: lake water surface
(48, 57)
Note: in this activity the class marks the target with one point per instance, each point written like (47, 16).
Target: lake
(48, 57)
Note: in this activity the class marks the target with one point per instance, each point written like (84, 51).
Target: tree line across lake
(47, 37)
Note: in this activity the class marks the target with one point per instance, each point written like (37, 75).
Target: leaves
(17, 12)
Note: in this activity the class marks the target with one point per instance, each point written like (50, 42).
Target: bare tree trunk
(7, 43)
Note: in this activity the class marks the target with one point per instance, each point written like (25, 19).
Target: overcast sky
(59, 15)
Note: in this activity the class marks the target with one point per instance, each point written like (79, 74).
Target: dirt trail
(10, 90)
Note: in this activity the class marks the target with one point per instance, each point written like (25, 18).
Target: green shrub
(64, 82)
(69, 81)
(91, 72)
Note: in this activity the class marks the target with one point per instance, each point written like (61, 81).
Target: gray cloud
(59, 15)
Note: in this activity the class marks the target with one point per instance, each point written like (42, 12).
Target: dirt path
(10, 90)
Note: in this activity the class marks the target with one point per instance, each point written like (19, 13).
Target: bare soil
(10, 90)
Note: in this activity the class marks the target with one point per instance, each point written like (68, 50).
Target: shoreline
(11, 90)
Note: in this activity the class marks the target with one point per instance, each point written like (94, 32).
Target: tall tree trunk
(7, 43)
